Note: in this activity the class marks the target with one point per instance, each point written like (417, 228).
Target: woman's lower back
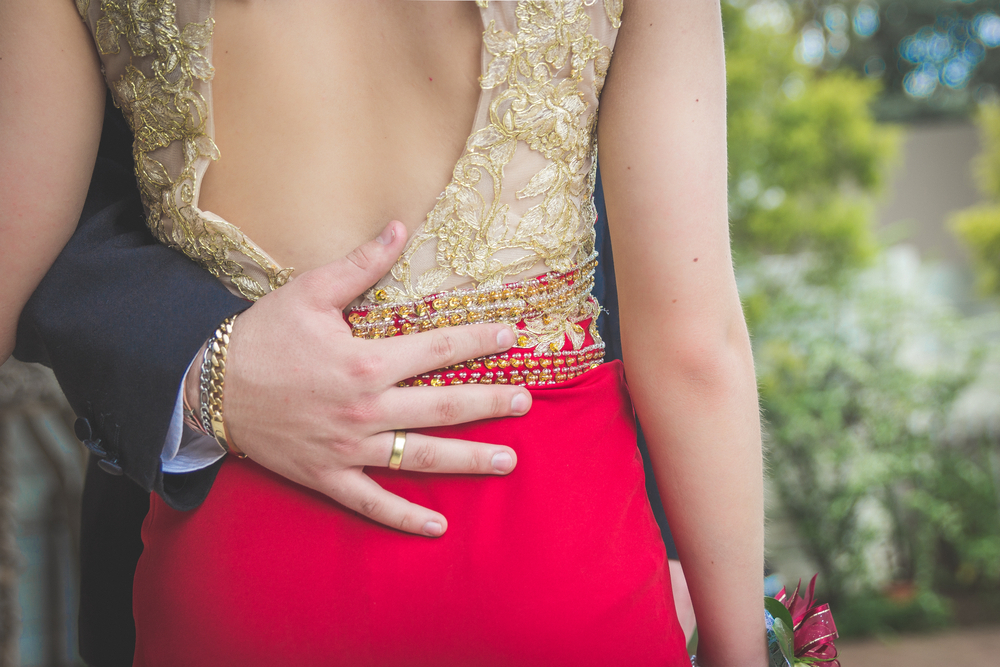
(334, 117)
(559, 563)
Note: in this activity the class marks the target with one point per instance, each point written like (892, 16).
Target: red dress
(559, 563)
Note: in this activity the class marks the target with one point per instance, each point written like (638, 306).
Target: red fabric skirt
(559, 563)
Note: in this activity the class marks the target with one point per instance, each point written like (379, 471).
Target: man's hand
(312, 403)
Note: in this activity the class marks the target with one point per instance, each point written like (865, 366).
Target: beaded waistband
(554, 316)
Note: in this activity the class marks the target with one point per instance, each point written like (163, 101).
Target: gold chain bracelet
(218, 348)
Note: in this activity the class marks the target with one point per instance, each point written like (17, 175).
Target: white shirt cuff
(185, 449)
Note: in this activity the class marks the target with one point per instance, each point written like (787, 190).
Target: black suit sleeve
(118, 318)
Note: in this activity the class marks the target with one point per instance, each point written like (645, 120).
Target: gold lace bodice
(519, 201)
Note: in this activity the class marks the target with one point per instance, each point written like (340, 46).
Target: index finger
(428, 351)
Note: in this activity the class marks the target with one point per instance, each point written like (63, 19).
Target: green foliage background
(805, 153)
(979, 226)
(858, 368)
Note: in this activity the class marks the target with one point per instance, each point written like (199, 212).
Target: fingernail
(388, 234)
(433, 529)
(503, 462)
(520, 403)
(505, 338)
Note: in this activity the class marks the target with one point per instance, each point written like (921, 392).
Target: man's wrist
(186, 447)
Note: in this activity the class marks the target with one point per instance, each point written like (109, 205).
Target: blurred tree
(858, 382)
(936, 58)
(979, 226)
(805, 154)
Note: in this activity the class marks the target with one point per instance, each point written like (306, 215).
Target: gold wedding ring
(398, 442)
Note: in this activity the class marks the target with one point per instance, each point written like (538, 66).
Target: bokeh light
(793, 87)
(748, 186)
(956, 72)
(771, 14)
(922, 81)
(811, 47)
(874, 67)
(838, 44)
(950, 51)
(866, 20)
(835, 18)
(772, 198)
(987, 27)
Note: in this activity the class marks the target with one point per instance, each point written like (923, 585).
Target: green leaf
(779, 611)
(692, 647)
(785, 638)
(782, 627)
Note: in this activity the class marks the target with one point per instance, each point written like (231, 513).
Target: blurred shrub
(857, 383)
(979, 226)
(915, 611)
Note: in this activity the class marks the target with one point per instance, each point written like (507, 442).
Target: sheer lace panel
(156, 57)
(519, 202)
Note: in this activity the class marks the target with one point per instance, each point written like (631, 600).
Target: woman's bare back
(334, 117)
(317, 123)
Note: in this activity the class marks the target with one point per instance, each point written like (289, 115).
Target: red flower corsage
(812, 628)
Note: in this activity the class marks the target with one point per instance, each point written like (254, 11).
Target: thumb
(336, 284)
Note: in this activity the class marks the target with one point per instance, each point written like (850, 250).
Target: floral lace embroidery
(545, 110)
(535, 76)
(614, 10)
(536, 102)
(612, 7)
(168, 113)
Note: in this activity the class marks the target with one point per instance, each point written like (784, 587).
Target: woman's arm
(51, 107)
(686, 348)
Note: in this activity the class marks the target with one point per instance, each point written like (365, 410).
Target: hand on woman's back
(315, 405)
